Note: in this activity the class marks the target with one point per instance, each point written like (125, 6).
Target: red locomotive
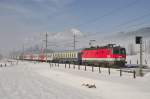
(105, 55)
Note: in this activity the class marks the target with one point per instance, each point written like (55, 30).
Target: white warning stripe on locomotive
(103, 59)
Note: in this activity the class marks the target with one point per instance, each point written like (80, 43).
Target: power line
(107, 14)
(133, 20)
(128, 22)
(74, 41)
(136, 24)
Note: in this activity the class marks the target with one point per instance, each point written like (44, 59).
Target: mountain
(145, 32)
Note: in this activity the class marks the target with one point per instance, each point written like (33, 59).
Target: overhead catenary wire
(128, 22)
(133, 20)
(137, 24)
(102, 16)
(107, 14)
(119, 25)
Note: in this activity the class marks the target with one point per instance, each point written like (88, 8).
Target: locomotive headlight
(108, 56)
(120, 56)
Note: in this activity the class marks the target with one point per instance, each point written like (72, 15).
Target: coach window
(68, 55)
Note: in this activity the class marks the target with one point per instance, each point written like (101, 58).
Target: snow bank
(135, 59)
(110, 88)
(40, 81)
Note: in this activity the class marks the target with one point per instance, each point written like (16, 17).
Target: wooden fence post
(69, 64)
(78, 66)
(74, 65)
(99, 69)
(108, 69)
(58, 64)
(49, 64)
(92, 68)
(120, 72)
(130, 61)
(134, 74)
(65, 64)
(85, 67)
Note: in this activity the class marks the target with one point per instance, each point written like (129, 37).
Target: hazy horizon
(25, 22)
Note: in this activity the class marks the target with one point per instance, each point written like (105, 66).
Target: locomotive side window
(119, 51)
(115, 51)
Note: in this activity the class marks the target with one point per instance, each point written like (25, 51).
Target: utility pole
(74, 41)
(23, 52)
(46, 45)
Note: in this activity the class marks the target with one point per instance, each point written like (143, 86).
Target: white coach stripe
(103, 59)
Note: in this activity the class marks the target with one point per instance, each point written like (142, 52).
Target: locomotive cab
(119, 54)
(119, 51)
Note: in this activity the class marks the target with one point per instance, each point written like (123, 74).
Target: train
(109, 55)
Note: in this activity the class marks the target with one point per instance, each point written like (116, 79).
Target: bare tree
(148, 47)
(131, 49)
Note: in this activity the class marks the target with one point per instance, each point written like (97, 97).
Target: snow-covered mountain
(145, 32)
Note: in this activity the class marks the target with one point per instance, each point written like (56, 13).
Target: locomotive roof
(102, 47)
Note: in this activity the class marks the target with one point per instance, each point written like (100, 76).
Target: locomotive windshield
(122, 51)
(119, 51)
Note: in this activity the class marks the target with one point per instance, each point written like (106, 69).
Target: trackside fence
(98, 69)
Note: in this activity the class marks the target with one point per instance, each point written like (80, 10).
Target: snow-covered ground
(40, 81)
(134, 59)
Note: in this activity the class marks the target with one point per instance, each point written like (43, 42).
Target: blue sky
(21, 19)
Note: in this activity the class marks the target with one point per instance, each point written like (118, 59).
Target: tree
(148, 47)
(131, 50)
